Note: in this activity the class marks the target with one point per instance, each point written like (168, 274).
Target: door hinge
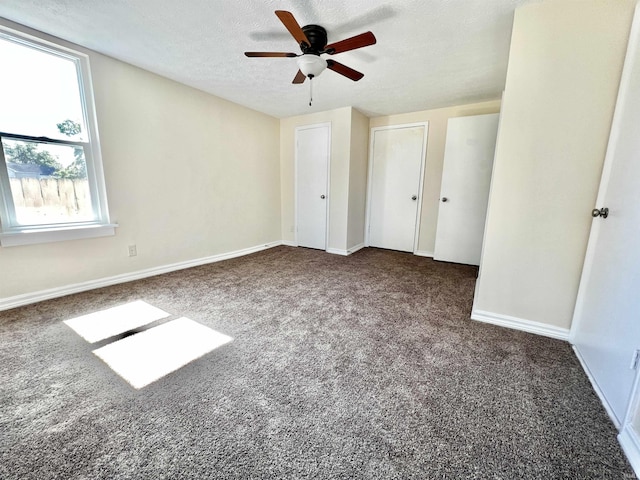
(635, 359)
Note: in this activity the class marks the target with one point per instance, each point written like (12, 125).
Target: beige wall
(435, 157)
(338, 197)
(358, 179)
(564, 69)
(188, 176)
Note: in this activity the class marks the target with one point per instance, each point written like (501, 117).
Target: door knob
(603, 212)
(415, 197)
(445, 199)
(322, 197)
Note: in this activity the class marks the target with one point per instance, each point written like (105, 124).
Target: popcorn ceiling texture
(429, 54)
(359, 367)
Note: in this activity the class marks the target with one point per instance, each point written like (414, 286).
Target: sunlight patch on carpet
(116, 320)
(148, 356)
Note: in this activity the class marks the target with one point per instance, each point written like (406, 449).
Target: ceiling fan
(312, 40)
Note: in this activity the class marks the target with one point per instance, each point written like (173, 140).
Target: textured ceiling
(430, 53)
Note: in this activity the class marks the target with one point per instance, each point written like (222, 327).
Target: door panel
(606, 321)
(312, 163)
(464, 191)
(397, 156)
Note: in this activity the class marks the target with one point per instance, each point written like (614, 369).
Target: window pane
(48, 182)
(38, 92)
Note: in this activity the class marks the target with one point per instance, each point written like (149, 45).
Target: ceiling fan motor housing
(317, 36)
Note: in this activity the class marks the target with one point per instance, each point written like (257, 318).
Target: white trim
(339, 251)
(295, 179)
(597, 389)
(27, 298)
(423, 253)
(633, 408)
(630, 443)
(360, 246)
(423, 166)
(47, 235)
(289, 243)
(423, 162)
(628, 438)
(520, 324)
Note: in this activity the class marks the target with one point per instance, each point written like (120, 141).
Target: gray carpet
(356, 367)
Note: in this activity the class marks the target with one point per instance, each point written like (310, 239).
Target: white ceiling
(430, 53)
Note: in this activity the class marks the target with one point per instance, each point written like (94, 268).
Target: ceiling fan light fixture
(311, 65)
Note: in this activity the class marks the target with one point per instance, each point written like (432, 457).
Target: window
(51, 180)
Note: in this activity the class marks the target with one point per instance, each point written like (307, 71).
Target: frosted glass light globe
(311, 65)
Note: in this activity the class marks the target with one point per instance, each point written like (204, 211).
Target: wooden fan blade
(299, 78)
(270, 54)
(359, 41)
(344, 70)
(292, 25)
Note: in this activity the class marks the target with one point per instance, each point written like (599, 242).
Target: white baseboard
(521, 324)
(28, 298)
(423, 253)
(630, 443)
(596, 388)
(360, 246)
(289, 243)
(338, 251)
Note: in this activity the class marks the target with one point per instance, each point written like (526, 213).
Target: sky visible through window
(38, 90)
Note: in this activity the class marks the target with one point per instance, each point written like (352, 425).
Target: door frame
(629, 437)
(420, 192)
(295, 179)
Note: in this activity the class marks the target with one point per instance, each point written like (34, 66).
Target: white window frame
(11, 232)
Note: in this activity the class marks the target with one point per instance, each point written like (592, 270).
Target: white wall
(358, 168)
(188, 175)
(564, 69)
(436, 139)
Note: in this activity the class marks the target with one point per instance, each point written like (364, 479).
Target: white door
(606, 323)
(464, 191)
(312, 173)
(395, 186)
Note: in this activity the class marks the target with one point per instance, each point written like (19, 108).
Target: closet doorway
(396, 171)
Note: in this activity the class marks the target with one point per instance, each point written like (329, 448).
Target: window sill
(60, 234)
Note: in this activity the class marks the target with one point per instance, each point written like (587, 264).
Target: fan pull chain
(310, 89)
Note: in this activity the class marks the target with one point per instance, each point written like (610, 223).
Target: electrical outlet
(133, 251)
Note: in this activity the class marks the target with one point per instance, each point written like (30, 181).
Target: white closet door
(606, 323)
(312, 166)
(464, 191)
(394, 193)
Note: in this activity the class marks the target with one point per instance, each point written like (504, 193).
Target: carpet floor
(359, 367)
